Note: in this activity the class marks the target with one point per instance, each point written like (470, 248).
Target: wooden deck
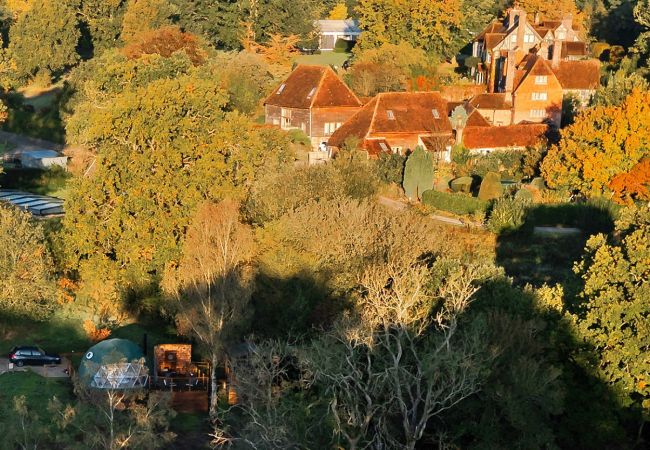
(190, 401)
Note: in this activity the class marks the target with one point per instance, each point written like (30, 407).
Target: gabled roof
(532, 65)
(521, 135)
(496, 26)
(573, 48)
(583, 75)
(313, 87)
(476, 119)
(338, 26)
(422, 113)
(496, 101)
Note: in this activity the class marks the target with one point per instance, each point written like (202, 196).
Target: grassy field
(324, 59)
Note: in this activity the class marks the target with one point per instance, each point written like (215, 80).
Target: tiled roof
(532, 65)
(435, 143)
(495, 101)
(576, 48)
(504, 137)
(313, 87)
(579, 74)
(476, 119)
(494, 27)
(419, 113)
(493, 39)
(375, 147)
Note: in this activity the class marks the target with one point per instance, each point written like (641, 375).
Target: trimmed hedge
(454, 203)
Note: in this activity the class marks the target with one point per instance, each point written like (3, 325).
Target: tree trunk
(214, 398)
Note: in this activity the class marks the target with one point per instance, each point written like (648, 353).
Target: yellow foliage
(339, 12)
(19, 7)
(603, 142)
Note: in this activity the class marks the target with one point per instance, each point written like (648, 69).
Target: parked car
(32, 356)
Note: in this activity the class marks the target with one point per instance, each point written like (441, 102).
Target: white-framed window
(529, 38)
(541, 79)
(435, 113)
(331, 127)
(537, 113)
(539, 96)
(561, 35)
(285, 121)
(513, 38)
(281, 88)
(390, 114)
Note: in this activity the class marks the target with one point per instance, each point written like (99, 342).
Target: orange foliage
(279, 50)
(165, 41)
(632, 185)
(66, 289)
(95, 334)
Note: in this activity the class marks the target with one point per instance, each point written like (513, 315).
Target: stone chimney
(537, 18)
(543, 50)
(493, 72)
(513, 14)
(510, 72)
(557, 53)
(567, 22)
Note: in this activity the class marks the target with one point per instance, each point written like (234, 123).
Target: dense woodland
(369, 327)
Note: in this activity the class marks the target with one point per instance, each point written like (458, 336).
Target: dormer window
(390, 114)
(280, 89)
(384, 147)
(311, 93)
(435, 113)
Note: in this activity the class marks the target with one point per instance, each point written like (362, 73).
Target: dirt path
(18, 143)
(401, 206)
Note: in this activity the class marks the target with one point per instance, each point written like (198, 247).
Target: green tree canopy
(45, 38)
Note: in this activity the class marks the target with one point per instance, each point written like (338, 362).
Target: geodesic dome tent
(114, 364)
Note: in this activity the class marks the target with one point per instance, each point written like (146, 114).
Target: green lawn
(324, 59)
(53, 182)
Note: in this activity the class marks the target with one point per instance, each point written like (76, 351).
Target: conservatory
(114, 364)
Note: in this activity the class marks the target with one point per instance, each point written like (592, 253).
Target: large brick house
(397, 122)
(528, 68)
(312, 99)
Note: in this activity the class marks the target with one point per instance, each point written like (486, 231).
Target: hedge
(454, 203)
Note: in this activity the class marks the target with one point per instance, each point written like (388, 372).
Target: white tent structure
(114, 364)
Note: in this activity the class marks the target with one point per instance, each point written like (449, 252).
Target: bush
(491, 187)
(299, 137)
(454, 203)
(390, 168)
(343, 46)
(460, 155)
(507, 215)
(462, 184)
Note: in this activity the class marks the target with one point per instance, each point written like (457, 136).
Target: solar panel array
(38, 205)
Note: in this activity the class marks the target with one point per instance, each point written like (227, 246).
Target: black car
(34, 356)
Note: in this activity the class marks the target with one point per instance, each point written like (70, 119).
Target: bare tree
(403, 360)
(212, 282)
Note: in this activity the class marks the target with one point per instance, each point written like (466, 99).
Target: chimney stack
(557, 53)
(537, 18)
(543, 50)
(521, 29)
(510, 72)
(567, 22)
(493, 71)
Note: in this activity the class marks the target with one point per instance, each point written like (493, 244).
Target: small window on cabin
(280, 89)
(390, 114)
(311, 93)
(435, 113)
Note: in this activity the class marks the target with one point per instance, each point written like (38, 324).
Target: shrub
(491, 187)
(454, 203)
(441, 183)
(418, 173)
(538, 183)
(507, 215)
(460, 155)
(343, 46)
(299, 137)
(462, 184)
(524, 195)
(390, 167)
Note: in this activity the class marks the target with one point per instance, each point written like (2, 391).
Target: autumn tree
(603, 142)
(426, 24)
(550, 10)
(212, 282)
(104, 21)
(632, 185)
(26, 287)
(156, 161)
(145, 15)
(338, 12)
(45, 38)
(165, 42)
(613, 314)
